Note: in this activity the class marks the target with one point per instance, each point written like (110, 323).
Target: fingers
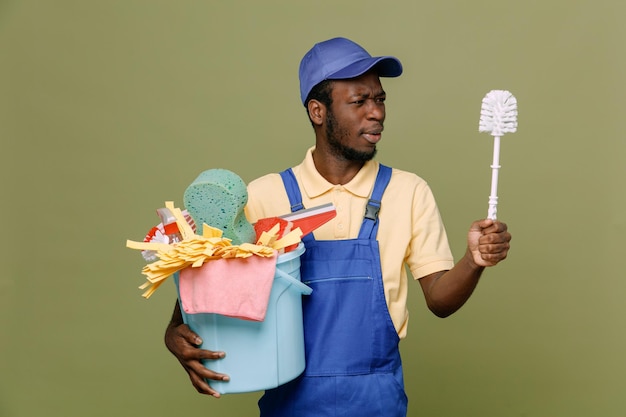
(193, 360)
(199, 374)
(492, 254)
(489, 226)
(495, 233)
(489, 241)
(202, 386)
(183, 343)
(186, 333)
(494, 244)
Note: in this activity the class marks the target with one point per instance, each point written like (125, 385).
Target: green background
(110, 108)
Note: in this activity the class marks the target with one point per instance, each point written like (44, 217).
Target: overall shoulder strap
(295, 197)
(369, 228)
(293, 191)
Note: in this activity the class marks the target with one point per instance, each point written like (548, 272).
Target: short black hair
(321, 92)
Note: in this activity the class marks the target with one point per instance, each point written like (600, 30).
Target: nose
(376, 110)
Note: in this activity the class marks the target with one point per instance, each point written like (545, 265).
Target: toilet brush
(498, 115)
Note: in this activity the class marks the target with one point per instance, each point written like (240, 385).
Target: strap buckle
(371, 209)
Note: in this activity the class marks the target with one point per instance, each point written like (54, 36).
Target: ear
(317, 112)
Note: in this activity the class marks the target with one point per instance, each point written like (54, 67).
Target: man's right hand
(183, 343)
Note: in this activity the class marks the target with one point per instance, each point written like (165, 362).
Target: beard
(334, 134)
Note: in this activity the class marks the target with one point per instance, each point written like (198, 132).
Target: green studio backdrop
(110, 108)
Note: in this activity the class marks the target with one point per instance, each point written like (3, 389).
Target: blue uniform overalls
(353, 365)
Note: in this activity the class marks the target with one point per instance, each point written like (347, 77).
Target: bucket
(264, 354)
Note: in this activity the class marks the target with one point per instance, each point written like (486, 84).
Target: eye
(380, 99)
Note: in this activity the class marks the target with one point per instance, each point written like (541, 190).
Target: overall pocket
(338, 331)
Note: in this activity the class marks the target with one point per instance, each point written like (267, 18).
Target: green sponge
(217, 197)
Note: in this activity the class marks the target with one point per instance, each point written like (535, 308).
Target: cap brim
(385, 66)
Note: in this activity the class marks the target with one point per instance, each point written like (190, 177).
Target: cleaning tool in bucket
(498, 115)
(233, 287)
(217, 197)
(194, 250)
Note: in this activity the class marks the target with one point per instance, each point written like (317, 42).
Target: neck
(334, 169)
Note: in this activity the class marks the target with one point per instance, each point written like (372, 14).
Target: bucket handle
(303, 288)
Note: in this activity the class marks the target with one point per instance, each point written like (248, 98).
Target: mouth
(373, 136)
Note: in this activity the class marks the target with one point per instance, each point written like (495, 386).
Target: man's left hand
(488, 241)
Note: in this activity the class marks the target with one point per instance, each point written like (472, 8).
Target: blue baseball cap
(341, 59)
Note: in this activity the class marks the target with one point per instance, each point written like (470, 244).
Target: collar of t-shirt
(315, 185)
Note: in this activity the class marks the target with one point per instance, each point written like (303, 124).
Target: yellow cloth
(411, 230)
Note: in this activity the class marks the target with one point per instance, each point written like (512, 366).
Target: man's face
(354, 122)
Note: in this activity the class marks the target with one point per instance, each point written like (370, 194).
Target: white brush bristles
(498, 114)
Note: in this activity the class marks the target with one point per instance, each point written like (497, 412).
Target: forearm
(487, 245)
(447, 291)
(177, 317)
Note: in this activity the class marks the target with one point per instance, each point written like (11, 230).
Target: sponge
(217, 197)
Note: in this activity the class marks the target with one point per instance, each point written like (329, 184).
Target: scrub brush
(498, 115)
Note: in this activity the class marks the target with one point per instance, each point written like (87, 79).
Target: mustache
(375, 129)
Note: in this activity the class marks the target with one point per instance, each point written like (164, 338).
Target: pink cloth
(234, 287)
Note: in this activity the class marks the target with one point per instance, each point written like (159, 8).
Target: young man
(386, 219)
